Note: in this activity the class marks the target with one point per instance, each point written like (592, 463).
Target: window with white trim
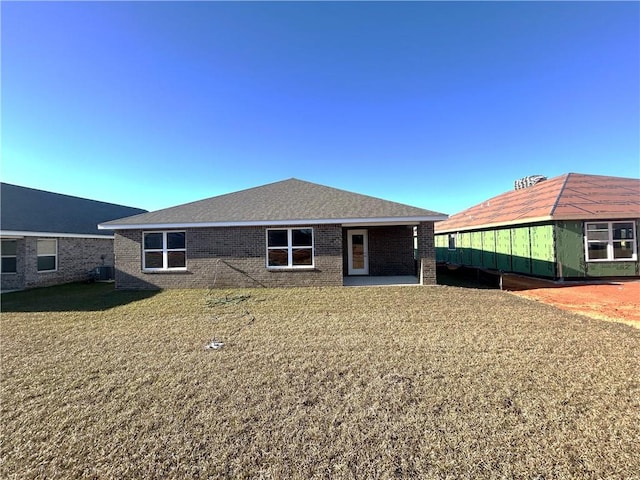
(9, 254)
(610, 241)
(164, 251)
(290, 247)
(47, 254)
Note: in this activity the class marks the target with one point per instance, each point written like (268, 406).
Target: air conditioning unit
(102, 274)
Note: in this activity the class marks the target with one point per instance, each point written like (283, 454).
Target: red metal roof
(572, 196)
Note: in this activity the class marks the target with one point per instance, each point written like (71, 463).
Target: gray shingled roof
(30, 210)
(290, 200)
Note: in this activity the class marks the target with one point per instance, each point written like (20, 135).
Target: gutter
(261, 223)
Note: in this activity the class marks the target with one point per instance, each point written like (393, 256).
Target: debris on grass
(241, 314)
(214, 345)
(227, 300)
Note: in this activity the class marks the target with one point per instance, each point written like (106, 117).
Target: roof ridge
(555, 204)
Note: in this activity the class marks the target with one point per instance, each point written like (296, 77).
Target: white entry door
(358, 252)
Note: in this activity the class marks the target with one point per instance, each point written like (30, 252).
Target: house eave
(22, 234)
(548, 218)
(258, 223)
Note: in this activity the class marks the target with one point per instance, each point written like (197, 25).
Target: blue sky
(435, 104)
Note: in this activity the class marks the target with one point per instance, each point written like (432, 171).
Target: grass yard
(394, 382)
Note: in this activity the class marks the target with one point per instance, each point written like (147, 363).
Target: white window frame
(610, 242)
(290, 249)
(11, 256)
(55, 255)
(165, 252)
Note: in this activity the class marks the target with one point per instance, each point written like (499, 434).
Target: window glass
(9, 247)
(153, 260)
(153, 241)
(623, 249)
(9, 265)
(622, 231)
(46, 263)
(176, 259)
(175, 240)
(277, 238)
(597, 231)
(597, 251)
(302, 256)
(47, 246)
(278, 257)
(301, 237)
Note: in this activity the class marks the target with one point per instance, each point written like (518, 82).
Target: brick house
(48, 238)
(288, 233)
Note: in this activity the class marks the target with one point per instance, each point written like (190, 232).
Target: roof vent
(530, 181)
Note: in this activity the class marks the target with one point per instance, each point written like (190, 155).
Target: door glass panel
(357, 251)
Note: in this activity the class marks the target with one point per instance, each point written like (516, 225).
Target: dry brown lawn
(393, 382)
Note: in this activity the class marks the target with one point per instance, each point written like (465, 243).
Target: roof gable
(30, 210)
(290, 200)
(572, 196)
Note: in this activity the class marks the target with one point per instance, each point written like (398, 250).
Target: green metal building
(573, 226)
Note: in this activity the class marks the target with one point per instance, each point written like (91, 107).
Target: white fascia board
(20, 234)
(259, 223)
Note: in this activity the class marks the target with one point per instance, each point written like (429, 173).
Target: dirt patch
(618, 302)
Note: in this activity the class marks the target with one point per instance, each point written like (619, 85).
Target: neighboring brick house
(48, 238)
(574, 226)
(288, 233)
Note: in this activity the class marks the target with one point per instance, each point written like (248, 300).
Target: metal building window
(610, 241)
